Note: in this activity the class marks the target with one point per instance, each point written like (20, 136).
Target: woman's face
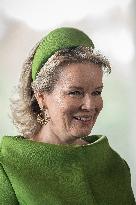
(75, 102)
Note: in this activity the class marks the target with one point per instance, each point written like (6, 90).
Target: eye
(95, 93)
(76, 93)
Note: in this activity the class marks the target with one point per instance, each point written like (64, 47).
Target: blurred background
(112, 27)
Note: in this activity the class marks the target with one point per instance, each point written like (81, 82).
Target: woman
(55, 162)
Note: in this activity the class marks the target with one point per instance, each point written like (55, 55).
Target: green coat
(36, 173)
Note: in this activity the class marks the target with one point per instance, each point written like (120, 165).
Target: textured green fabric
(7, 195)
(50, 174)
(57, 39)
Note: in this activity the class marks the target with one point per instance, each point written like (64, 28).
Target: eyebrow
(80, 88)
(76, 87)
(100, 87)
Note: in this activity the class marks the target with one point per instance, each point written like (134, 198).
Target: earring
(42, 117)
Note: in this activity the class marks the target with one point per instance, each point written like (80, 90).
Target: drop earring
(42, 117)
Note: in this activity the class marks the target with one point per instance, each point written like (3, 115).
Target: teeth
(84, 118)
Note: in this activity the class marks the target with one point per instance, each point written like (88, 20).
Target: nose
(88, 103)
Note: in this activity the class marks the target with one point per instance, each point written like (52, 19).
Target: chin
(81, 134)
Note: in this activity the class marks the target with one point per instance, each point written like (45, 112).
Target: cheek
(61, 112)
(54, 110)
(99, 103)
(99, 106)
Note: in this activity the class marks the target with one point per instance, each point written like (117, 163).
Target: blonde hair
(25, 108)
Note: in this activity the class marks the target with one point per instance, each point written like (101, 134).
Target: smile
(84, 119)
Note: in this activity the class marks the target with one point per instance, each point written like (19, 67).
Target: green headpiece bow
(58, 39)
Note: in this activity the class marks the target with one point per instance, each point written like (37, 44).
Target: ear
(40, 97)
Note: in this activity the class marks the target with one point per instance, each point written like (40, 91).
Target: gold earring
(42, 117)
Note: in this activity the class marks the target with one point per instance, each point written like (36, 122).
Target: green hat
(58, 39)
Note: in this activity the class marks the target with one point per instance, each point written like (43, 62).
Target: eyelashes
(97, 93)
(79, 93)
(76, 93)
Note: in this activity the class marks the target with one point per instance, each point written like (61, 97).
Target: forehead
(81, 74)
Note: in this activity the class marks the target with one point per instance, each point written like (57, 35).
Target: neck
(46, 136)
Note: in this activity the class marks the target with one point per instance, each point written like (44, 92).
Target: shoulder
(7, 194)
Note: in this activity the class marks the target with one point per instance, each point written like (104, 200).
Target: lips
(83, 118)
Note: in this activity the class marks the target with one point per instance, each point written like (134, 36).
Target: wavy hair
(25, 108)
